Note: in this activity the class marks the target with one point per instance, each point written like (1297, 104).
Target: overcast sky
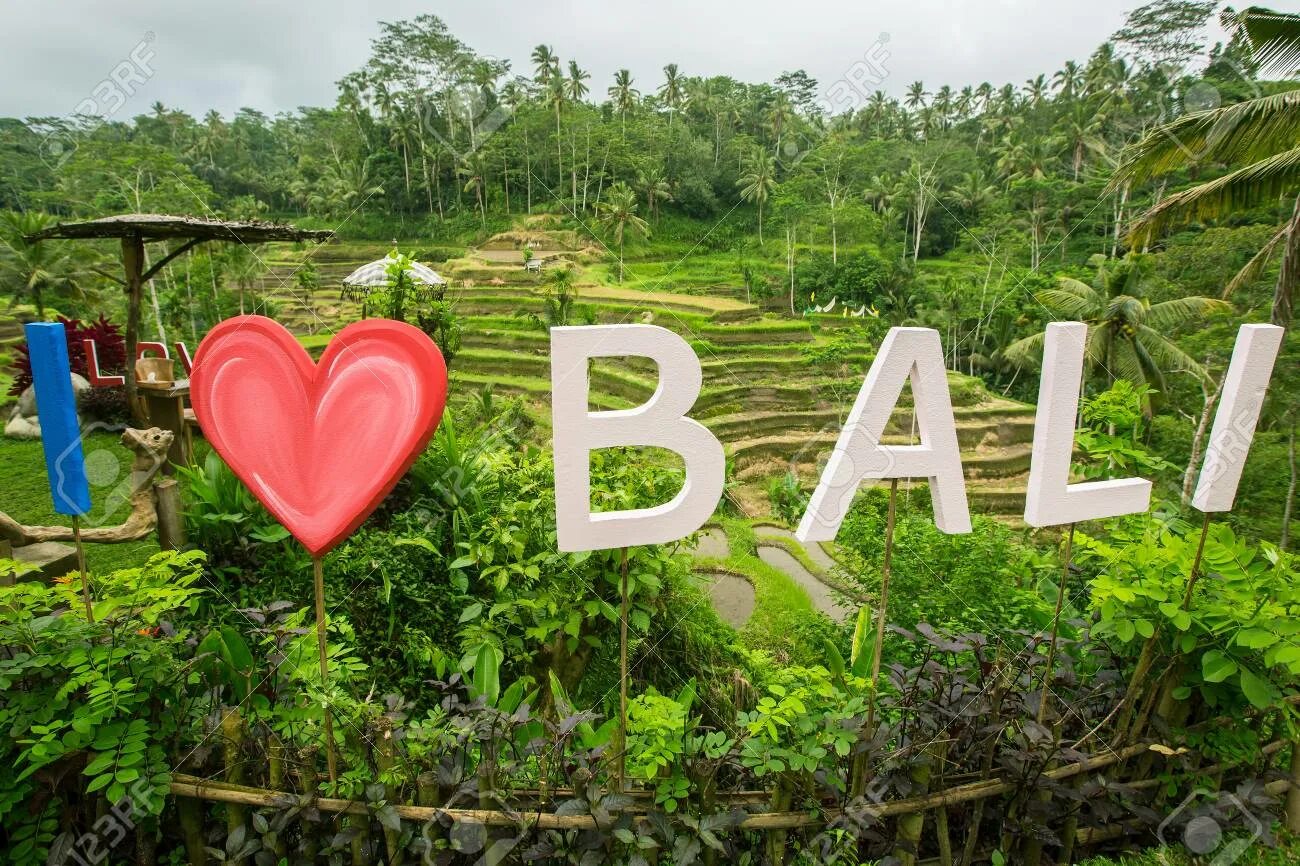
(276, 56)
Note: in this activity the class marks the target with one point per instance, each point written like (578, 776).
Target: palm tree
(973, 193)
(623, 95)
(779, 118)
(757, 182)
(545, 64)
(577, 83)
(672, 91)
(1128, 336)
(1081, 131)
(655, 188)
(618, 213)
(1068, 80)
(556, 97)
(915, 95)
(36, 269)
(1261, 136)
(1036, 90)
(474, 171)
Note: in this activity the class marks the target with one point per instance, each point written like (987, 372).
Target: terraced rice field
(773, 409)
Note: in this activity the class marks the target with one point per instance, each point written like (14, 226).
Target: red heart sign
(322, 444)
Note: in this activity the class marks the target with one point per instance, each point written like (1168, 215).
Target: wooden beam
(161, 263)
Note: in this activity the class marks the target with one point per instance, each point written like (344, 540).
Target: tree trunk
(1289, 276)
(1290, 491)
(132, 263)
(1198, 440)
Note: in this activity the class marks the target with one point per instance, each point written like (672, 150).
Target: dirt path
(823, 597)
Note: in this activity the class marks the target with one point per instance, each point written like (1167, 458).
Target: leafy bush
(855, 279)
(92, 709)
(953, 582)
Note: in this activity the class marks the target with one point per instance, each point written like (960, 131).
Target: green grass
(27, 496)
(1287, 852)
(784, 621)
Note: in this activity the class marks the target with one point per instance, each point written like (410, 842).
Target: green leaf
(1217, 666)
(487, 673)
(1256, 689)
(471, 612)
(1256, 638)
(1144, 627)
(462, 562)
(416, 541)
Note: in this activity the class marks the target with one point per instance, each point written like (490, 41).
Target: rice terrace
(453, 449)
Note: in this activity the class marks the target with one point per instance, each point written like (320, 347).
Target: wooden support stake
(1196, 563)
(1056, 625)
(859, 773)
(886, 569)
(318, 576)
(1293, 794)
(622, 677)
(81, 566)
(171, 514)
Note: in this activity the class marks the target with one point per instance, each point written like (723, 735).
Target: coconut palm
(672, 92)
(973, 193)
(622, 94)
(1080, 131)
(577, 83)
(618, 214)
(655, 188)
(757, 182)
(545, 64)
(1036, 90)
(34, 270)
(915, 95)
(1128, 336)
(1261, 136)
(1068, 80)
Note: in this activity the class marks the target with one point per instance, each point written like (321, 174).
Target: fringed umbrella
(361, 282)
(423, 283)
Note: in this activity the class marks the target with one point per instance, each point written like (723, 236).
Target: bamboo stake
(886, 568)
(1196, 563)
(860, 772)
(183, 785)
(232, 755)
(318, 576)
(81, 566)
(1147, 658)
(622, 677)
(1056, 625)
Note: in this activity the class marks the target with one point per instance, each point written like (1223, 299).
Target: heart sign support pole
(622, 675)
(331, 755)
(1056, 625)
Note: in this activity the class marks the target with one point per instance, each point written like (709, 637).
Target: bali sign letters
(381, 387)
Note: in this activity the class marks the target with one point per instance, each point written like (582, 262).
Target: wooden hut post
(133, 266)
